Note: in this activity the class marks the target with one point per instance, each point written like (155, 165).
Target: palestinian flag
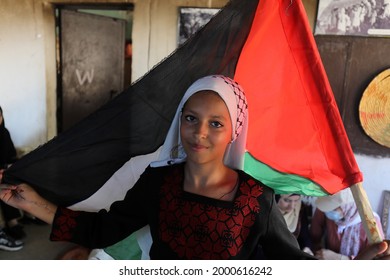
(297, 141)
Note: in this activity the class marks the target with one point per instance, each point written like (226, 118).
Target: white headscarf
(233, 96)
(350, 226)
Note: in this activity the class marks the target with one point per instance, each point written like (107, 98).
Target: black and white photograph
(353, 17)
(385, 214)
(191, 20)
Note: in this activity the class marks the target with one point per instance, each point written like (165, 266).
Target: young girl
(196, 199)
(295, 214)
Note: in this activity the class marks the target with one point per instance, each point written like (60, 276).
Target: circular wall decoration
(374, 109)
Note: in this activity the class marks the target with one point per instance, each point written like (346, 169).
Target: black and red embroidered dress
(185, 225)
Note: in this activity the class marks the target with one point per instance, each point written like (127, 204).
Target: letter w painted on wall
(86, 76)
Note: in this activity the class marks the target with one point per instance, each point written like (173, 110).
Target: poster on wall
(385, 214)
(353, 17)
(191, 20)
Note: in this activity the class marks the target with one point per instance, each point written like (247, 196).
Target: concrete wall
(28, 68)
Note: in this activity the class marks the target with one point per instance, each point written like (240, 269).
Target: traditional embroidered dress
(185, 225)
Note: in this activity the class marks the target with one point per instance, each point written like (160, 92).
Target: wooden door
(92, 64)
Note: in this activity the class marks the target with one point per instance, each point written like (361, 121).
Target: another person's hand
(325, 254)
(378, 251)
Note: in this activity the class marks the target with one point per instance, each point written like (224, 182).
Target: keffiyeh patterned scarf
(233, 96)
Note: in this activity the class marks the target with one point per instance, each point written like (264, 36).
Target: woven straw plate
(374, 109)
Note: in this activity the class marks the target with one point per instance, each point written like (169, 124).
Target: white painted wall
(376, 179)
(22, 74)
(27, 68)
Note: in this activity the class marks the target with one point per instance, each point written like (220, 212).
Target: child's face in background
(287, 203)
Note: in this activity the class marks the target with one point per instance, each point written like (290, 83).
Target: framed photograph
(191, 20)
(353, 17)
(385, 214)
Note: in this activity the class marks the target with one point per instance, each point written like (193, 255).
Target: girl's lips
(197, 147)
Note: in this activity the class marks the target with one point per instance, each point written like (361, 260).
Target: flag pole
(366, 214)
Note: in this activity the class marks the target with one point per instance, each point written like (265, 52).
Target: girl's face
(287, 203)
(206, 128)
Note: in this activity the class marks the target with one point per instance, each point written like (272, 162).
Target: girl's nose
(201, 130)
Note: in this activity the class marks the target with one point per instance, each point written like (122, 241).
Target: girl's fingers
(9, 192)
(7, 187)
(374, 251)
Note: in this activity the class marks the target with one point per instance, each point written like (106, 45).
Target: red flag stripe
(295, 126)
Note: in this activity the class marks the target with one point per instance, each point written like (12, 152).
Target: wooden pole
(367, 216)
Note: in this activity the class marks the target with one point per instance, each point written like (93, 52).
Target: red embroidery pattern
(196, 230)
(64, 225)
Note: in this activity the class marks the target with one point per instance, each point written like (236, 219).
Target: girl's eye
(216, 124)
(189, 118)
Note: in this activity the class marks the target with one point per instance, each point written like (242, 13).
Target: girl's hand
(15, 195)
(378, 251)
(1, 174)
(26, 198)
